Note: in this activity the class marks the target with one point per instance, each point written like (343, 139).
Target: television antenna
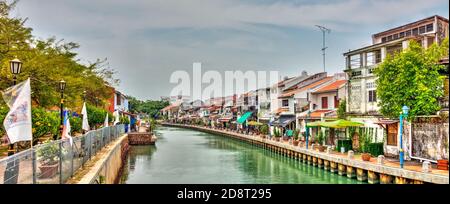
(324, 30)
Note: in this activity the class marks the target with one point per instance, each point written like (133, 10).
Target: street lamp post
(15, 67)
(62, 86)
(308, 114)
(403, 115)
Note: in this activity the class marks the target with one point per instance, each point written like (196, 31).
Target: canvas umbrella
(254, 123)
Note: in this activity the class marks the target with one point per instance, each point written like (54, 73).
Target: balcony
(443, 103)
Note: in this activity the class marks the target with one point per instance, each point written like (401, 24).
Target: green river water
(183, 156)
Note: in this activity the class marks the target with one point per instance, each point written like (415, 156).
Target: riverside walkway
(372, 171)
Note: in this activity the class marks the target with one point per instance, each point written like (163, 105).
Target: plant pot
(295, 142)
(321, 148)
(365, 156)
(48, 170)
(442, 164)
(277, 139)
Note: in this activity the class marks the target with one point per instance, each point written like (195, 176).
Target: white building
(362, 96)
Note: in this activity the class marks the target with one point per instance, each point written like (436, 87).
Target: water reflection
(186, 156)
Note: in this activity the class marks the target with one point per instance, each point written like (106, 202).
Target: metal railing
(57, 161)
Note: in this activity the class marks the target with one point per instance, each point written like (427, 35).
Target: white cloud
(124, 31)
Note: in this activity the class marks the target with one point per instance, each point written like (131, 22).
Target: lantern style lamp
(62, 86)
(15, 67)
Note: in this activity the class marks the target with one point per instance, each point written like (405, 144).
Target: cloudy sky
(145, 41)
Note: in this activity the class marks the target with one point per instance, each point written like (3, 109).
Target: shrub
(376, 149)
(44, 123)
(124, 120)
(48, 153)
(347, 144)
(295, 134)
(265, 129)
(97, 116)
(320, 137)
(75, 124)
(3, 111)
(276, 133)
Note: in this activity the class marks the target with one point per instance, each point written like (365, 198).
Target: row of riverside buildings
(291, 102)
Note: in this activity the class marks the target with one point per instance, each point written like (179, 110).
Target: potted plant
(264, 131)
(295, 135)
(277, 135)
(48, 157)
(364, 144)
(320, 140)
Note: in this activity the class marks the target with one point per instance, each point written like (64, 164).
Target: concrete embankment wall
(107, 166)
(352, 168)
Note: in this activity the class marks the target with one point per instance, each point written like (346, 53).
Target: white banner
(85, 125)
(116, 116)
(106, 123)
(17, 122)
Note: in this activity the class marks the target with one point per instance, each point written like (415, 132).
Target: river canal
(183, 156)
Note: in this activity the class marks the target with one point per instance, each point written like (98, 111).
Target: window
(356, 87)
(392, 134)
(383, 39)
(415, 31)
(372, 96)
(422, 29)
(378, 56)
(370, 85)
(408, 33)
(285, 103)
(356, 73)
(401, 35)
(118, 99)
(324, 102)
(395, 36)
(430, 27)
(389, 38)
(336, 102)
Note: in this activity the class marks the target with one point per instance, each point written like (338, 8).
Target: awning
(314, 124)
(254, 123)
(244, 117)
(385, 123)
(264, 120)
(335, 124)
(284, 120)
(225, 119)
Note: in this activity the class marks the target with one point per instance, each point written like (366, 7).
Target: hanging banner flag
(17, 122)
(106, 124)
(66, 127)
(116, 116)
(85, 125)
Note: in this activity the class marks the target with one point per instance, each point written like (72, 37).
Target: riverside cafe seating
(337, 124)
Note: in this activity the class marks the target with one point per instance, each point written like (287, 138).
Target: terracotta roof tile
(331, 87)
(318, 113)
(298, 90)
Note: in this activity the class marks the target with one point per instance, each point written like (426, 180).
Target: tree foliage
(47, 62)
(150, 107)
(411, 78)
(342, 109)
